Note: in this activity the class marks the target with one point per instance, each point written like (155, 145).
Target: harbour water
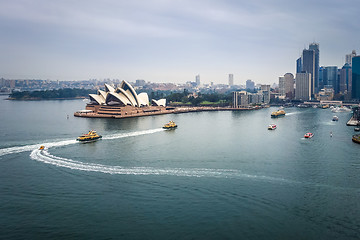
(220, 175)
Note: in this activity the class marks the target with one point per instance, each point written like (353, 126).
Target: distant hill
(65, 93)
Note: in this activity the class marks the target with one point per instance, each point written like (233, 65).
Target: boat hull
(88, 139)
(356, 139)
(170, 127)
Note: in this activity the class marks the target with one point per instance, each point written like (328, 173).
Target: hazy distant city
(311, 81)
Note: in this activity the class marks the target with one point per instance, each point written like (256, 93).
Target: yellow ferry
(356, 138)
(278, 113)
(170, 125)
(91, 136)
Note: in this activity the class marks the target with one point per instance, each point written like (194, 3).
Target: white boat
(308, 135)
(272, 127)
(335, 118)
(341, 109)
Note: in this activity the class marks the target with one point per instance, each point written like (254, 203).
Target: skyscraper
(348, 57)
(289, 85)
(298, 65)
(303, 86)
(355, 92)
(231, 79)
(345, 79)
(197, 80)
(308, 65)
(330, 78)
(315, 47)
(282, 86)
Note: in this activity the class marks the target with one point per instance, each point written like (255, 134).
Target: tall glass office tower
(315, 48)
(356, 78)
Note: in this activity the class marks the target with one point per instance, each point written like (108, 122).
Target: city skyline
(162, 41)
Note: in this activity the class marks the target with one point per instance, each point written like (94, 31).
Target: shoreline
(131, 112)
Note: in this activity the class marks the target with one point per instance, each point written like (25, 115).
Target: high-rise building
(345, 79)
(197, 80)
(303, 86)
(289, 85)
(321, 77)
(282, 86)
(298, 65)
(231, 79)
(250, 85)
(315, 47)
(348, 57)
(355, 91)
(308, 65)
(330, 77)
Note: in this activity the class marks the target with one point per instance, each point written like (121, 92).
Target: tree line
(64, 93)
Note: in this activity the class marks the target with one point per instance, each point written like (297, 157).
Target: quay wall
(98, 111)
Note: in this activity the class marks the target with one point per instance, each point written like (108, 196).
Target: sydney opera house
(120, 102)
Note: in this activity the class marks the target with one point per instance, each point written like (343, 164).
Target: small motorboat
(357, 129)
(308, 135)
(42, 147)
(335, 118)
(89, 137)
(272, 127)
(170, 125)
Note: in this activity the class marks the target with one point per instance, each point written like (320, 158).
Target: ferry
(356, 138)
(278, 113)
(308, 135)
(335, 118)
(272, 127)
(170, 125)
(89, 137)
(42, 147)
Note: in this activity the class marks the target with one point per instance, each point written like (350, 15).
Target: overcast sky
(171, 41)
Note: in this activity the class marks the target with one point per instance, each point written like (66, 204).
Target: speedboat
(356, 129)
(308, 135)
(278, 113)
(89, 137)
(170, 125)
(272, 127)
(335, 118)
(42, 147)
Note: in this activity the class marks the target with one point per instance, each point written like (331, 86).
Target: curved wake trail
(11, 150)
(46, 157)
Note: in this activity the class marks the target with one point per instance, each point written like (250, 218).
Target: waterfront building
(303, 86)
(240, 99)
(197, 80)
(315, 47)
(355, 91)
(326, 94)
(308, 65)
(250, 85)
(124, 95)
(231, 79)
(265, 90)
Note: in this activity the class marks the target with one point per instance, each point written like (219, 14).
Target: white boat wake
(12, 150)
(45, 157)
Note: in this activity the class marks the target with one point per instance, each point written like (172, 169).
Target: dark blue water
(220, 175)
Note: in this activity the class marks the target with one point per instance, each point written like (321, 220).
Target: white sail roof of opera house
(124, 95)
(160, 102)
